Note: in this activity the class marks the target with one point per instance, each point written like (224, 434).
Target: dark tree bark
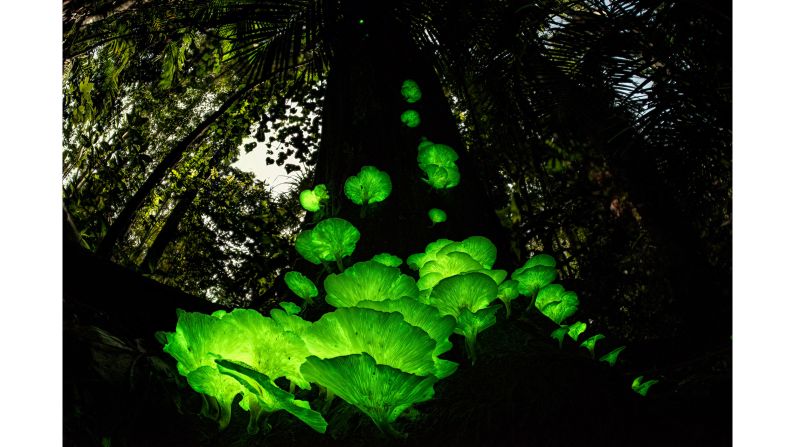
(361, 126)
(121, 225)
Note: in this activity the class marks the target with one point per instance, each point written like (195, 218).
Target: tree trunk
(121, 225)
(361, 126)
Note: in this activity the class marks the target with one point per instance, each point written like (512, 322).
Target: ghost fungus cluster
(314, 199)
(331, 240)
(252, 341)
(437, 161)
(369, 186)
(410, 91)
(301, 286)
(411, 118)
(437, 216)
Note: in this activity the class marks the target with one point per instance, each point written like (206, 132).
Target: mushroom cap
(612, 356)
(387, 259)
(331, 239)
(380, 391)
(470, 323)
(590, 343)
(370, 185)
(387, 337)
(300, 285)
(577, 329)
(556, 303)
(275, 352)
(468, 291)
(417, 260)
(209, 381)
(536, 273)
(433, 154)
(480, 248)
(442, 177)
(369, 280)
(411, 91)
(508, 291)
(410, 118)
(290, 323)
(311, 200)
(290, 308)
(446, 266)
(436, 215)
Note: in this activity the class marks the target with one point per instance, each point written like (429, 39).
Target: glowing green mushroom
(641, 387)
(612, 356)
(439, 327)
(556, 303)
(467, 297)
(379, 391)
(387, 260)
(536, 273)
(220, 389)
(590, 343)
(270, 397)
(273, 351)
(369, 186)
(410, 118)
(301, 286)
(313, 199)
(288, 322)
(437, 216)
(438, 163)
(410, 91)
(331, 240)
(559, 334)
(387, 337)
(290, 308)
(507, 292)
(368, 280)
(481, 249)
(576, 329)
(417, 260)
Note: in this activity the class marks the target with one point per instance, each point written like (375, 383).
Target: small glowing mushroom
(467, 297)
(576, 329)
(331, 240)
(387, 260)
(437, 216)
(556, 303)
(365, 281)
(290, 308)
(536, 273)
(590, 343)
(301, 286)
(410, 118)
(641, 387)
(410, 91)
(559, 334)
(480, 248)
(380, 391)
(507, 292)
(612, 356)
(369, 186)
(313, 199)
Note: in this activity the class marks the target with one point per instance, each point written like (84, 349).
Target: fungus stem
(507, 309)
(339, 264)
(471, 338)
